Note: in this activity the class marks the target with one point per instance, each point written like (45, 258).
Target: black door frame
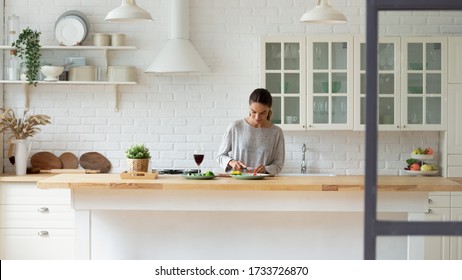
(372, 226)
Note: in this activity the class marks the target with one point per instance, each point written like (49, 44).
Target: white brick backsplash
(176, 113)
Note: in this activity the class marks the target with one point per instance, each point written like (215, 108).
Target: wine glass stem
(199, 168)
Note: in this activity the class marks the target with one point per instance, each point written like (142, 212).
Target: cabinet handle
(397, 126)
(43, 233)
(429, 211)
(404, 126)
(43, 209)
(430, 201)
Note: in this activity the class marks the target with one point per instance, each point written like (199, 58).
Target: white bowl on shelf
(422, 156)
(51, 72)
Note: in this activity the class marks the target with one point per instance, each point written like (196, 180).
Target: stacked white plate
(72, 28)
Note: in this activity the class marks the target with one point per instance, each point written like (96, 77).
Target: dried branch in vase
(22, 127)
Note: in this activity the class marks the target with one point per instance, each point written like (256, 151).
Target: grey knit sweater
(252, 146)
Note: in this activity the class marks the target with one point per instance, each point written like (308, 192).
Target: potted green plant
(27, 47)
(138, 157)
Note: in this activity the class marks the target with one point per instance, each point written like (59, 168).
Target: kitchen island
(224, 218)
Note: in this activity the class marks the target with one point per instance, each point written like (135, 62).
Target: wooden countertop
(10, 177)
(278, 183)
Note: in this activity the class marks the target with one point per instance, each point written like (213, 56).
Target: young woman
(254, 143)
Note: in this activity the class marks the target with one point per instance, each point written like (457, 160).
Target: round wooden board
(45, 161)
(95, 161)
(69, 160)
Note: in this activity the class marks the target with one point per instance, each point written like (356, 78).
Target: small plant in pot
(138, 157)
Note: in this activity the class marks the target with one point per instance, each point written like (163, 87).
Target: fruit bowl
(420, 172)
(51, 72)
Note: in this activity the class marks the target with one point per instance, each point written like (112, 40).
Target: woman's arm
(223, 157)
(279, 156)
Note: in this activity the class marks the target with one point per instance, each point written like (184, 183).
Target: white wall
(176, 114)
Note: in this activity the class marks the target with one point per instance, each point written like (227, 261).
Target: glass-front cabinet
(330, 83)
(424, 83)
(283, 65)
(388, 85)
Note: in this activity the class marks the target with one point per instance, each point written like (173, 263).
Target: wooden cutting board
(95, 161)
(69, 160)
(45, 161)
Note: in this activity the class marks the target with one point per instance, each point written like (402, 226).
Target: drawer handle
(43, 209)
(43, 233)
(429, 211)
(430, 201)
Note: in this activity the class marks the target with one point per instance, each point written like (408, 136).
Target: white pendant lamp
(128, 12)
(323, 13)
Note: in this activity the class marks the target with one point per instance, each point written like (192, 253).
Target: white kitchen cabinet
(424, 83)
(330, 83)
(283, 71)
(438, 247)
(389, 89)
(35, 223)
(455, 62)
(454, 132)
(443, 207)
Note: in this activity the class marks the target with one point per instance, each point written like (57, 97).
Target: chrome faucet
(303, 167)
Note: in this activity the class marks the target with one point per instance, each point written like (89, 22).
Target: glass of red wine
(198, 158)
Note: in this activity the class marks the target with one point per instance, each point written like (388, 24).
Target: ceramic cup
(291, 119)
(118, 39)
(101, 39)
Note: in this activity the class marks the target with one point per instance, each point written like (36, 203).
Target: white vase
(21, 155)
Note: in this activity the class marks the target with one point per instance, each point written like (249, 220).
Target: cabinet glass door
(387, 84)
(283, 75)
(330, 83)
(425, 83)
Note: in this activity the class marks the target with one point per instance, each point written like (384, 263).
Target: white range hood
(178, 54)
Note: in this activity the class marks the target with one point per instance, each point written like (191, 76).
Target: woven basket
(138, 165)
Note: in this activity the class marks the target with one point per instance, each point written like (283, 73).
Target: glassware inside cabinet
(433, 56)
(321, 83)
(339, 109)
(273, 82)
(339, 55)
(321, 56)
(415, 110)
(292, 110)
(321, 109)
(276, 110)
(433, 111)
(291, 56)
(291, 83)
(415, 56)
(273, 56)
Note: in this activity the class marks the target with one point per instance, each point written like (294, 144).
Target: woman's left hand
(260, 169)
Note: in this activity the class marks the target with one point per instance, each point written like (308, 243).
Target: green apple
(426, 167)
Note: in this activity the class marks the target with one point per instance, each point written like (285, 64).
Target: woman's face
(259, 112)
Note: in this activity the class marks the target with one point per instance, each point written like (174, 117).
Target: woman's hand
(236, 165)
(260, 169)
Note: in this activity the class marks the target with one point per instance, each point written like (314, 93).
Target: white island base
(205, 224)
